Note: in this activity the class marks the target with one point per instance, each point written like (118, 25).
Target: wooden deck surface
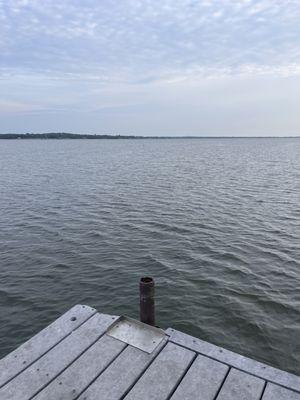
(76, 358)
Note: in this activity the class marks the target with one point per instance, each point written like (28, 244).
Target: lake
(215, 222)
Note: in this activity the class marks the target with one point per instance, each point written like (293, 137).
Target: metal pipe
(147, 309)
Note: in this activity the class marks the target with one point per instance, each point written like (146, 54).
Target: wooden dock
(91, 356)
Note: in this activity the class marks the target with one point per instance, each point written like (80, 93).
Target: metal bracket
(137, 334)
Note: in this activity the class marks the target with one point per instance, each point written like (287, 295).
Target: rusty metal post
(147, 310)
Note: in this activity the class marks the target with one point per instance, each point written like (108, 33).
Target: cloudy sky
(150, 67)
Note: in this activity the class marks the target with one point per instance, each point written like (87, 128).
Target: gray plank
(27, 353)
(236, 360)
(75, 379)
(163, 374)
(202, 380)
(115, 381)
(241, 386)
(275, 392)
(45, 369)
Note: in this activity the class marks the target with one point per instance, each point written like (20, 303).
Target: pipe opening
(146, 279)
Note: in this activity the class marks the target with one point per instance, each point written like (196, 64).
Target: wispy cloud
(16, 107)
(76, 54)
(135, 37)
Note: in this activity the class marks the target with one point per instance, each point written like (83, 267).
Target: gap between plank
(222, 383)
(108, 365)
(181, 378)
(142, 372)
(76, 358)
(42, 355)
(239, 369)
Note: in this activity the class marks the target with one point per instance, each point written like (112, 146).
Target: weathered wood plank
(163, 374)
(241, 386)
(46, 368)
(75, 379)
(204, 377)
(275, 392)
(116, 380)
(73, 358)
(236, 360)
(27, 353)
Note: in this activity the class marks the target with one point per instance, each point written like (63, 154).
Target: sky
(150, 67)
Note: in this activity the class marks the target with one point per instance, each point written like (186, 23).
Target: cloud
(17, 107)
(73, 55)
(134, 37)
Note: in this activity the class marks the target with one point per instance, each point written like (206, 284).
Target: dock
(88, 355)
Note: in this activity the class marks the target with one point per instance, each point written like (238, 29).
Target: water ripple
(216, 222)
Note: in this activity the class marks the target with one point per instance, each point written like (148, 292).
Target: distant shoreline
(64, 135)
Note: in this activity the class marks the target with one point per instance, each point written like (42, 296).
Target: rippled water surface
(216, 222)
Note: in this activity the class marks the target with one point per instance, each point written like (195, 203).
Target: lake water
(215, 222)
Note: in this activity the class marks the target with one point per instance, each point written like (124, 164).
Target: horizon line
(133, 136)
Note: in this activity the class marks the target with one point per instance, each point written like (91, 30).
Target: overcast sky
(150, 67)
